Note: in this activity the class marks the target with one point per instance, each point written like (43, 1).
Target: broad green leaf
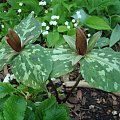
(93, 40)
(101, 69)
(6, 55)
(97, 23)
(32, 5)
(70, 40)
(63, 57)
(33, 66)
(81, 16)
(115, 36)
(28, 27)
(29, 114)
(56, 114)
(2, 101)
(103, 41)
(116, 18)
(1, 116)
(14, 108)
(52, 38)
(49, 109)
(100, 4)
(62, 28)
(44, 106)
(5, 89)
(47, 104)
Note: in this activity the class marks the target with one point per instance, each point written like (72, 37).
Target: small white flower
(45, 33)
(73, 20)
(68, 27)
(46, 11)
(55, 17)
(33, 12)
(20, 4)
(66, 23)
(19, 10)
(2, 26)
(53, 23)
(4, 11)
(47, 27)
(75, 25)
(7, 78)
(88, 35)
(42, 3)
(43, 24)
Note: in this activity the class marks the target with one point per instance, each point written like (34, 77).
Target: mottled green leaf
(93, 40)
(63, 57)
(33, 66)
(14, 108)
(101, 69)
(97, 23)
(5, 89)
(115, 36)
(6, 55)
(103, 41)
(28, 27)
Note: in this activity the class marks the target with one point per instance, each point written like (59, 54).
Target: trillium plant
(33, 67)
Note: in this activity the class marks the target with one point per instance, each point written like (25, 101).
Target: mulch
(94, 104)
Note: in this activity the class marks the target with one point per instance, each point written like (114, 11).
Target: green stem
(75, 85)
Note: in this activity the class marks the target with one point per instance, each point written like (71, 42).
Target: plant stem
(56, 92)
(75, 85)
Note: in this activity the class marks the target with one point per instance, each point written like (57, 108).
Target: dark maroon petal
(13, 40)
(81, 42)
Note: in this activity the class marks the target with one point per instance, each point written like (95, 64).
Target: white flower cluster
(9, 77)
(53, 23)
(46, 27)
(42, 3)
(53, 20)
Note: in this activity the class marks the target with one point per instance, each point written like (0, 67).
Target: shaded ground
(93, 104)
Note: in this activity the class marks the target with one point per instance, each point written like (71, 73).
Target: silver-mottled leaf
(28, 27)
(33, 66)
(6, 54)
(101, 68)
(63, 57)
